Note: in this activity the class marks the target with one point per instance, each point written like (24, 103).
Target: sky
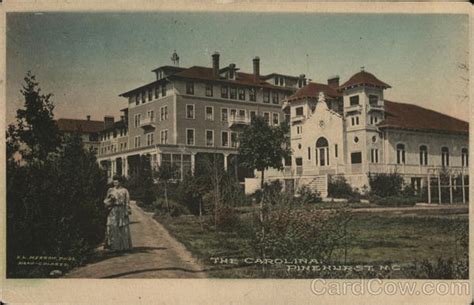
(87, 59)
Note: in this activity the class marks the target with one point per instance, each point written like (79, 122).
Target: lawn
(375, 239)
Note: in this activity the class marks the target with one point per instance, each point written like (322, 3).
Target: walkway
(155, 254)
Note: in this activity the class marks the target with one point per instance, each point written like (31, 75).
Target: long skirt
(118, 237)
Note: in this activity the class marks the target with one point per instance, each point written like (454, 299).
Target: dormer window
(354, 100)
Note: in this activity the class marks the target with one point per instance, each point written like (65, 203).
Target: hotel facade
(188, 114)
(346, 129)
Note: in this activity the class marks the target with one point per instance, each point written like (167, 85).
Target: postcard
(236, 152)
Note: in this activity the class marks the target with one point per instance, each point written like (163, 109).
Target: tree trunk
(262, 218)
(166, 198)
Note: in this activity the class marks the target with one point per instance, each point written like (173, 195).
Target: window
(242, 114)
(299, 129)
(164, 136)
(464, 157)
(233, 139)
(225, 139)
(356, 139)
(164, 113)
(299, 111)
(276, 80)
(143, 97)
(309, 153)
(210, 113)
(374, 155)
(423, 155)
(150, 139)
(242, 94)
(151, 115)
(233, 113)
(266, 117)
(190, 111)
(233, 93)
(322, 152)
(209, 91)
(252, 94)
(445, 156)
(335, 150)
(189, 87)
(354, 120)
(209, 137)
(163, 90)
(400, 153)
(137, 119)
(189, 136)
(137, 141)
(253, 115)
(356, 158)
(157, 91)
(276, 119)
(275, 98)
(224, 92)
(137, 99)
(282, 81)
(224, 114)
(373, 100)
(150, 94)
(354, 100)
(266, 96)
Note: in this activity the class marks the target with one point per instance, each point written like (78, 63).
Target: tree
(164, 174)
(36, 126)
(261, 147)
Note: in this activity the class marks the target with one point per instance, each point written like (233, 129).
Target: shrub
(385, 185)
(339, 188)
(225, 218)
(394, 201)
(307, 195)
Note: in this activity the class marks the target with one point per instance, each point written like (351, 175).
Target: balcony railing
(147, 122)
(238, 120)
(375, 107)
(297, 118)
(353, 108)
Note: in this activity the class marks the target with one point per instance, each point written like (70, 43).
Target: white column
(193, 162)
(225, 161)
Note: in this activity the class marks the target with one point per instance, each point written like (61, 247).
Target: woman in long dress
(118, 236)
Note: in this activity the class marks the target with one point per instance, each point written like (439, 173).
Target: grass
(374, 239)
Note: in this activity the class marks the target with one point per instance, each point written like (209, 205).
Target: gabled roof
(77, 125)
(312, 90)
(364, 78)
(205, 73)
(412, 117)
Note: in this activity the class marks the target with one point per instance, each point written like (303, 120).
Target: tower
(363, 109)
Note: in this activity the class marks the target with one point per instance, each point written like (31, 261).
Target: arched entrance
(322, 152)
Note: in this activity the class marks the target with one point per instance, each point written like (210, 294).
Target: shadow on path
(103, 255)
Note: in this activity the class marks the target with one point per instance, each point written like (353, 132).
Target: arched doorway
(322, 152)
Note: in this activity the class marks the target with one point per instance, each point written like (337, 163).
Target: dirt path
(155, 254)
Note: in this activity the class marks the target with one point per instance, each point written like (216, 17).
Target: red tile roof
(412, 117)
(364, 78)
(313, 89)
(205, 73)
(76, 125)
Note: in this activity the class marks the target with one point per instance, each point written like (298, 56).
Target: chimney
(256, 67)
(301, 80)
(108, 121)
(215, 64)
(333, 82)
(231, 71)
(88, 117)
